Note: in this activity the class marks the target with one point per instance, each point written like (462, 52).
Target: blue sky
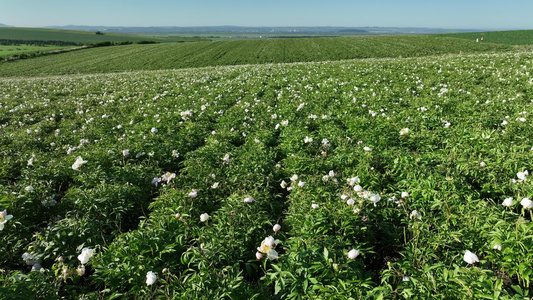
(453, 14)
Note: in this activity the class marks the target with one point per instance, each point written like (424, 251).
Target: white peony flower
(193, 193)
(301, 183)
(258, 255)
(470, 257)
(405, 195)
(350, 202)
(276, 228)
(204, 217)
(508, 202)
(404, 131)
(352, 254)
(367, 149)
(308, 140)
(294, 177)
(86, 253)
(522, 175)
(352, 181)
(283, 184)
(150, 278)
(358, 188)
(29, 188)
(248, 199)
(526, 203)
(374, 198)
(415, 214)
(272, 254)
(4, 217)
(314, 206)
(77, 164)
(497, 247)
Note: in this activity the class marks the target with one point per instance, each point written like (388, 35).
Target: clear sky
(453, 14)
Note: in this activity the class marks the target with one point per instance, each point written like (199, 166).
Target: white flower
(294, 177)
(301, 183)
(215, 185)
(447, 124)
(156, 180)
(248, 199)
(470, 257)
(175, 153)
(258, 255)
(314, 206)
(504, 122)
(204, 217)
(482, 164)
(374, 198)
(225, 159)
(283, 184)
(497, 247)
(150, 278)
(308, 140)
(406, 279)
(86, 253)
(405, 195)
(350, 202)
(325, 178)
(168, 176)
(404, 131)
(352, 181)
(77, 164)
(358, 188)
(508, 202)
(154, 130)
(526, 203)
(193, 193)
(522, 175)
(28, 259)
(367, 149)
(29, 188)
(125, 152)
(272, 254)
(4, 217)
(352, 254)
(331, 173)
(276, 228)
(415, 214)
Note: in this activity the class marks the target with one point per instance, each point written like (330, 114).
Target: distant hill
(3, 25)
(278, 31)
(77, 37)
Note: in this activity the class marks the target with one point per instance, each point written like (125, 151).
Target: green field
(84, 37)
(516, 37)
(394, 167)
(10, 50)
(203, 54)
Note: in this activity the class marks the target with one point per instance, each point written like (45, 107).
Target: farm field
(358, 179)
(515, 37)
(11, 49)
(79, 37)
(203, 54)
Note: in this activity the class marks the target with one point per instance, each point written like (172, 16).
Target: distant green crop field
(85, 37)
(517, 37)
(10, 50)
(202, 54)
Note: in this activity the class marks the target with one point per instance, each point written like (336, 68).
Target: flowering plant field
(373, 179)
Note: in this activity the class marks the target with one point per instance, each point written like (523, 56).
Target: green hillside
(516, 37)
(202, 54)
(77, 37)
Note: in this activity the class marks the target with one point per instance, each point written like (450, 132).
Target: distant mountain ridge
(322, 30)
